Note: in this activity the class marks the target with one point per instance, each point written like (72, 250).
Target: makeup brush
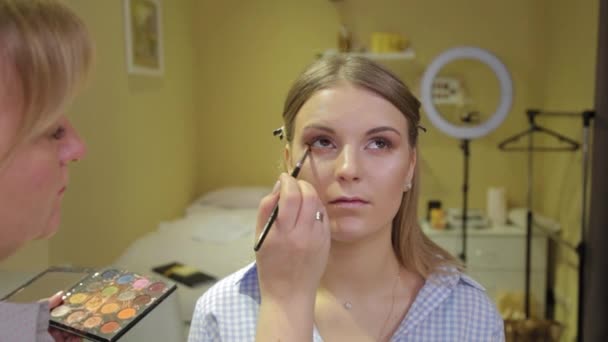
(275, 211)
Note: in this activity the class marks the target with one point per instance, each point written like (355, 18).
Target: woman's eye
(58, 133)
(380, 144)
(321, 143)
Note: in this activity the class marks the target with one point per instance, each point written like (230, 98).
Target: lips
(348, 202)
(62, 190)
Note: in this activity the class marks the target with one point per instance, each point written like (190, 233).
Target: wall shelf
(403, 55)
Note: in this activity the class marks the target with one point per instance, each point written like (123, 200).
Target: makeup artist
(346, 259)
(45, 54)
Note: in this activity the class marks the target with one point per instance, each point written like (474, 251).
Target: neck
(362, 267)
(7, 249)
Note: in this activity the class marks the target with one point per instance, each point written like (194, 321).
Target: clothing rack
(567, 145)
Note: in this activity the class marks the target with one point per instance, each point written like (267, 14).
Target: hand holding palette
(105, 304)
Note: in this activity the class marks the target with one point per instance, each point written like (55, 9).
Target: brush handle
(275, 211)
(271, 219)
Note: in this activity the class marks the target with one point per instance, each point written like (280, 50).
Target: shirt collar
(437, 288)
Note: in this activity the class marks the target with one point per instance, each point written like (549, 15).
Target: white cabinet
(496, 258)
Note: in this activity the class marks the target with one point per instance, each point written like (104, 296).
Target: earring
(408, 187)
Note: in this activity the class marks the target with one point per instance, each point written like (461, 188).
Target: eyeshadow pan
(94, 287)
(108, 291)
(109, 308)
(92, 322)
(157, 287)
(109, 274)
(125, 296)
(78, 298)
(109, 327)
(75, 317)
(142, 300)
(125, 279)
(60, 311)
(126, 313)
(94, 303)
(140, 283)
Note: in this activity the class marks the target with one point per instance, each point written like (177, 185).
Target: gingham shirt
(449, 307)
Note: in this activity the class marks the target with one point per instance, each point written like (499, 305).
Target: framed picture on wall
(144, 38)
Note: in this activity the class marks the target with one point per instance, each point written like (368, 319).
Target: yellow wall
(569, 86)
(248, 55)
(140, 135)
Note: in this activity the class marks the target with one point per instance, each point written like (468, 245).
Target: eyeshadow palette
(104, 305)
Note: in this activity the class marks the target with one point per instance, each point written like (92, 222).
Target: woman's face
(34, 178)
(360, 161)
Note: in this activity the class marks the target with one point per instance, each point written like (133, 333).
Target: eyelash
(387, 143)
(58, 133)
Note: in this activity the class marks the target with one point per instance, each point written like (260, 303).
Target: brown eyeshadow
(157, 287)
(142, 300)
(109, 327)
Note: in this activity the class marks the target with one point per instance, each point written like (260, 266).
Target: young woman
(346, 259)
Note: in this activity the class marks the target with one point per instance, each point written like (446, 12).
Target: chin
(350, 229)
(51, 227)
(354, 229)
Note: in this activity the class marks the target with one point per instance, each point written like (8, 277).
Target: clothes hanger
(567, 143)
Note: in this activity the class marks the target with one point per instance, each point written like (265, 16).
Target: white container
(496, 206)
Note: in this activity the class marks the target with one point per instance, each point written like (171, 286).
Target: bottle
(344, 40)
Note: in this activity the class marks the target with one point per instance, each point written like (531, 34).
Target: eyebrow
(374, 130)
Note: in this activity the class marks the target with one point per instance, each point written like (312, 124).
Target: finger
(310, 205)
(289, 202)
(73, 338)
(56, 334)
(55, 300)
(266, 206)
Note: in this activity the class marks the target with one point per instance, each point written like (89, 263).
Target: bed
(215, 236)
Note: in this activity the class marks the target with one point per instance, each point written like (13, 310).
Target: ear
(410, 172)
(287, 159)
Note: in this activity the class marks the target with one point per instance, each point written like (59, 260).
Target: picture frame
(144, 37)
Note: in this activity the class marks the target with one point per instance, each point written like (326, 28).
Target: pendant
(348, 305)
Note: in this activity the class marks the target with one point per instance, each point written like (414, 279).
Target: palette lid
(47, 283)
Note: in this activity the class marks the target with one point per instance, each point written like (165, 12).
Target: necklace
(348, 305)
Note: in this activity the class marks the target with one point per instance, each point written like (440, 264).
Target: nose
(346, 165)
(73, 147)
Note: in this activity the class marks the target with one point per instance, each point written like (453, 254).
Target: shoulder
(465, 297)
(462, 291)
(472, 294)
(471, 298)
(228, 310)
(456, 283)
(239, 286)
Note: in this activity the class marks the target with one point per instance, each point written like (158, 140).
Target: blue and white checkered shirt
(449, 307)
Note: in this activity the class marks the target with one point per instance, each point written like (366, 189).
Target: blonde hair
(413, 248)
(46, 51)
